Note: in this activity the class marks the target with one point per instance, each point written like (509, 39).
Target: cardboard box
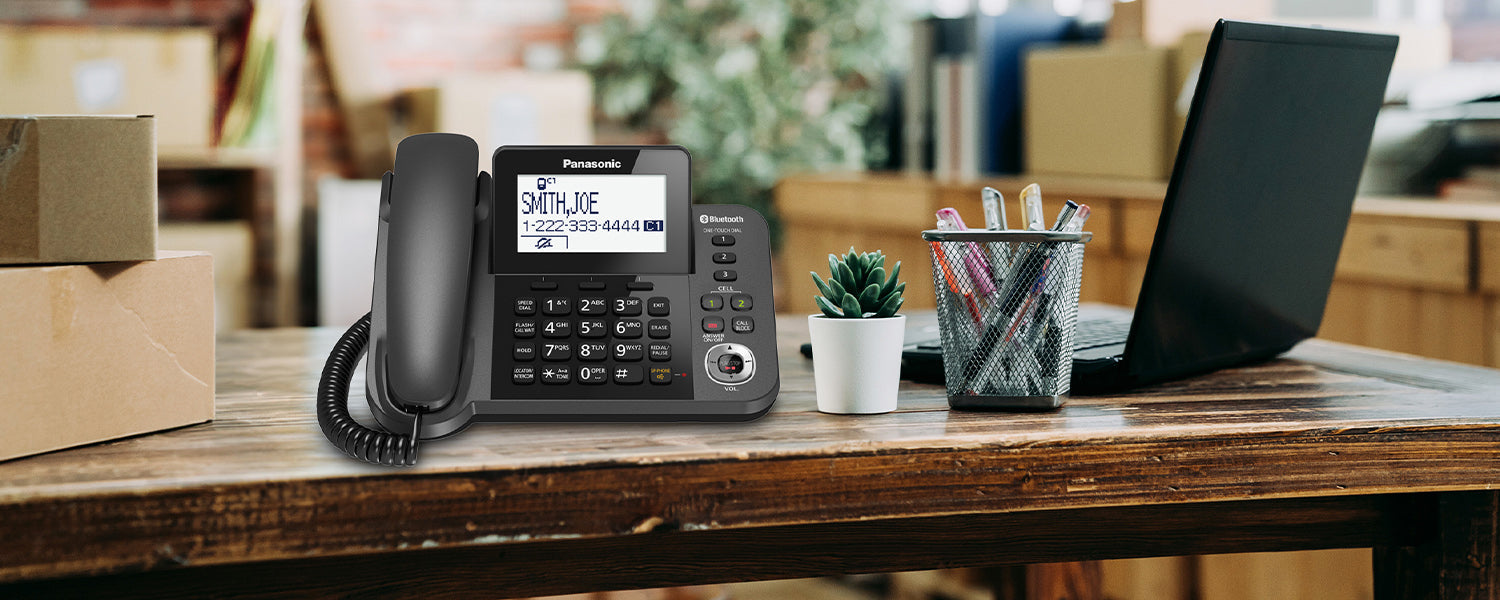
(511, 108)
(77, 189)
(1101, 110)
(66, 70)
(90, 353)
(231, 245)
(1162, 22)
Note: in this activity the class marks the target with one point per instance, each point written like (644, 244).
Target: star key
(555, 375)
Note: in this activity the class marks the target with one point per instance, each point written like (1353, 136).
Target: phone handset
(427, 269)
(432, 192)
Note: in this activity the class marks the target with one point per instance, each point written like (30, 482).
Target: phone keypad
(600, 336)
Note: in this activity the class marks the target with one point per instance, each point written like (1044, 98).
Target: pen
(1031, 207)
(954, 285)
(1079, 218)
(994, 209)
(1065, 216)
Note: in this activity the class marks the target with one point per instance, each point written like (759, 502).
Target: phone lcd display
(591, 213)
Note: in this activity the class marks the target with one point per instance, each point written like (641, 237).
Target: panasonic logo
(569, 163)
(713, 219)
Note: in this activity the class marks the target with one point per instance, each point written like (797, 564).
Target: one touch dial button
(730, 364)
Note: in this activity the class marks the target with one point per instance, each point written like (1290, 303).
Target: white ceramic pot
(856, 363)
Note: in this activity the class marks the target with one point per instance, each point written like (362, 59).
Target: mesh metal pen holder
(1007, 304)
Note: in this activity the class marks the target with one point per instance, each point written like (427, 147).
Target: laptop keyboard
(1093, 333)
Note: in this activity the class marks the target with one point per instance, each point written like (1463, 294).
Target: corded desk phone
(576, 284)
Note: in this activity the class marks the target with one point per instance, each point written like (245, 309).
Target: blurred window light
(951, 9)
(1067, 8)
(994, 7)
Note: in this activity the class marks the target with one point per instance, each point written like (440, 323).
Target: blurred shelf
(169, 157)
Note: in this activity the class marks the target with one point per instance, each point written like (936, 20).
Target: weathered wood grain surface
(1329, 423)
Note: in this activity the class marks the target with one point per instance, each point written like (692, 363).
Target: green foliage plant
(859, 287)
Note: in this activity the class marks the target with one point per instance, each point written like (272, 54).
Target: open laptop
(1255, 211)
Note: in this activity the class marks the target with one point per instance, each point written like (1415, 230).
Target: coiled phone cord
(360, 442)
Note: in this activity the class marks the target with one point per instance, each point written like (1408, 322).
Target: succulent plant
(859, 287)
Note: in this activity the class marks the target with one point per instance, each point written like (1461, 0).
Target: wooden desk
(1334, 447)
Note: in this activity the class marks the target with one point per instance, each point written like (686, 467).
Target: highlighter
(1031, 208)
(978, 267)
(994, 209)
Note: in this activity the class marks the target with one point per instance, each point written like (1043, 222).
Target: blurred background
(845, 123)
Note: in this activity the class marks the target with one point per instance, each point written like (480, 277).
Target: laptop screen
(1260, 196)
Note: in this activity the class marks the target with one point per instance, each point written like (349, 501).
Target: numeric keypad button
(628, 351)
(557, 351)
(556, 328)
(555, 375)
(629, 374)
(593, 375)
(592, 306)
(741, 302)
(660, 351)
(524, 328)
(711, 302)
(627, 306)
(628, 328)
(592, 328)
(593, 351)
(557, 305)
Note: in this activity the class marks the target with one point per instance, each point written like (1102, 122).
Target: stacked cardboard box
(101, 336)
